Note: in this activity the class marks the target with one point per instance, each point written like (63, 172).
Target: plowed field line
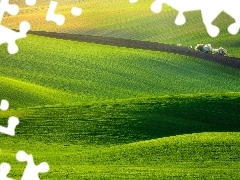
(145, 45)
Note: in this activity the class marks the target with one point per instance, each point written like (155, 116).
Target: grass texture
(131, 139)
(130, 21)
(48, 71)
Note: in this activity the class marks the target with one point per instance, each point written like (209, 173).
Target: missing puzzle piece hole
(10, 36)
(24, 27)
(180, 19)
(213, 30)
(10, 130)
(22, 156)
(76, 11)
(13, 10)
(31, 171)
(30, 2)
(4, 105)
(51, 16)
(13, 122)
(156, 7)
(12, 48)
(4, 170)
(233, 28)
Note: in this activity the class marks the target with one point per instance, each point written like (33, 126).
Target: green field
(130, 21)
(211, 156)
(120, 139)
(105, 112)
(51, 74)
(119, 113)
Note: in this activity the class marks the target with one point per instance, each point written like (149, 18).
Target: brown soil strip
(136, 44)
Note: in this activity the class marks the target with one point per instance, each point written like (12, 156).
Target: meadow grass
(102, 112)
(130, 120)
(196, 156)
(131, 139)
(52, 71)
(130, 21)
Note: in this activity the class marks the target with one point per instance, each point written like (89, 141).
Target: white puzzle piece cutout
(9, 36)
(4, 105)
(12, 9)
(209, 9)
(30, 2)
(12, 124)
(31, 171)
(59, 19)
(4, 170)
(76, 11)
(12, 121)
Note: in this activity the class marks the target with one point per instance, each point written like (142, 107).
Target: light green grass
(52, 71)
(33, 94)
(121, 139)
(130, 21)
(197, 156)
(97, 112)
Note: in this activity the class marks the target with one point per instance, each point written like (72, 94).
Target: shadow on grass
(129, 120)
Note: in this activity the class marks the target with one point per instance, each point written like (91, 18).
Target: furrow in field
(136, 44)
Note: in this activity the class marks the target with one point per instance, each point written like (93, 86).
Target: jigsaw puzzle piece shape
(180, 19)
(4, 170)
(9, 36)
(51, 16)
(234, 28)
(208, 16)
(12, 9)
(12, 124)
(31, 171)
(210, 11)
(156, 6)
(30, 2)
(234, 13)
(76, 11)
(4, 105)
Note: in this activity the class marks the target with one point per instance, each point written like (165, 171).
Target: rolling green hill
(97, 112)
(49, 71)
(130, 120)
(130, 21)
(104, 112)
(211, 156)
(120, 139)
(196, 156)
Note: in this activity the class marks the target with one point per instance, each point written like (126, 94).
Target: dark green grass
(50, 71)
(120, 139)
(125, 121)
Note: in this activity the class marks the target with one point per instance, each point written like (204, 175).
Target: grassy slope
(73, 74)
(114, 139)
(46, 72)
(125, 121)
(197, 156)
(131, 21)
